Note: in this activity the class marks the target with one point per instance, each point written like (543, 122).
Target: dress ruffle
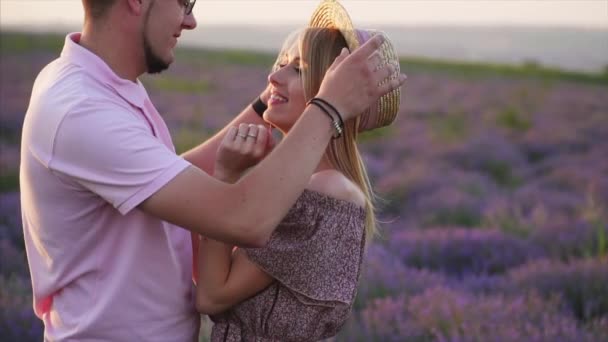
(315, 256)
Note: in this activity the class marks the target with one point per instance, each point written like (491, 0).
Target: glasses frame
(188, 6)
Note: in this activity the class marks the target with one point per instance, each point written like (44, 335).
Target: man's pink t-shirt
(93, 149)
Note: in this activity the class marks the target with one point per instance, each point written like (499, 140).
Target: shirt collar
(132, 92)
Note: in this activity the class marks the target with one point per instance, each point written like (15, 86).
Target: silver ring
(253, 136)
(242, 135)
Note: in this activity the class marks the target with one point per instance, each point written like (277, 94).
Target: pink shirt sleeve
(111, 151)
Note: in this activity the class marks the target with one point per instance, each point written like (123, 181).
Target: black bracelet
(335, 123)
(259, 107)
(332, 108)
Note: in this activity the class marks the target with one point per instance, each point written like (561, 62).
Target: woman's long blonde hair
(318, 49)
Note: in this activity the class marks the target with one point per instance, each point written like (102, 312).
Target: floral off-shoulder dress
(315, 256)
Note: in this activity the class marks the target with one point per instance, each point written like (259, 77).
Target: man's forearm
(288, 168)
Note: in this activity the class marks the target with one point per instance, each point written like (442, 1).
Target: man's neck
(122, 53)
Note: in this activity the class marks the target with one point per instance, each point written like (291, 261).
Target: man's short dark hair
(96, 9)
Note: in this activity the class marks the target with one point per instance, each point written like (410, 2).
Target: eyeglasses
(188, 6)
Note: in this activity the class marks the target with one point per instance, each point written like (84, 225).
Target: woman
(302, 285)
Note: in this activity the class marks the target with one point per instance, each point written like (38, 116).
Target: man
(108, 206)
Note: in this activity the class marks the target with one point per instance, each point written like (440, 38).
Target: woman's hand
(241, 148)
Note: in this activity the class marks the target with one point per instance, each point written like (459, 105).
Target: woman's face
(287, 101)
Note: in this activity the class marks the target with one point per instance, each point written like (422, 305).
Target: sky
(570, 13)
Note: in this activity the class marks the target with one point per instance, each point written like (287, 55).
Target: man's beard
(154, 64)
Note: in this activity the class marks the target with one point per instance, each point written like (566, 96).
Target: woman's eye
(297, 69)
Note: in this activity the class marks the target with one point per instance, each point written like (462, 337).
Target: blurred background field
(493, 185)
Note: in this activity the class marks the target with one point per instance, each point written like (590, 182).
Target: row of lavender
(495, 213)
(454, 284)
(542, 300)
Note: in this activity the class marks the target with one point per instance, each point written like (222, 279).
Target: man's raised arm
(247, 212)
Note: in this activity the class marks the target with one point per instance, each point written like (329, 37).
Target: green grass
(21, 43)
(513, 120)
(227, 56)
(501, 172)
(9, 181)
(525, 70)
(456, 216)
(449, 128)
(188, 137)
(509, 224)
(377, 134)
(179, 85)
(473, 189)
(535, 156)
(601, 248)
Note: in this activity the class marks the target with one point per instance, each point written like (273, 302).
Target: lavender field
(493, 187)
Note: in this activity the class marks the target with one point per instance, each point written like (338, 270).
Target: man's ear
(136, 7)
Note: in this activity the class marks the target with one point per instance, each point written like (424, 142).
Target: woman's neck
(324, 165)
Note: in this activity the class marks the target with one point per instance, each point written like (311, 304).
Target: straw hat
(330, 14)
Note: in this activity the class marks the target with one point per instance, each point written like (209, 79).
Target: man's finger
(384, 72)
(343, 54)
(375, 61)
(392, 84)
(368, 48)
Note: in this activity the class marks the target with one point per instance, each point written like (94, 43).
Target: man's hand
(354, 81)
(241, 149)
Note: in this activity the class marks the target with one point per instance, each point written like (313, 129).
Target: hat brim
(331, 14)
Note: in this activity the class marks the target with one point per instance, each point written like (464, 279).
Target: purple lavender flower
(10, 218)
(17, 319)
(384, 275)
(582, 284)
(460, 252)
(443, 314)
(12, 260)
(569, 241)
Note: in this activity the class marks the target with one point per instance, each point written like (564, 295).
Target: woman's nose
(274, 77)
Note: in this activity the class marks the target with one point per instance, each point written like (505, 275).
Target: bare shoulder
(335, 184)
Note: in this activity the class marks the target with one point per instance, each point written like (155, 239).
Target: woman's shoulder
(335, 184)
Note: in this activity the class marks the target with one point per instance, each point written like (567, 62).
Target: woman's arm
(226, 278)
(224, 275)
